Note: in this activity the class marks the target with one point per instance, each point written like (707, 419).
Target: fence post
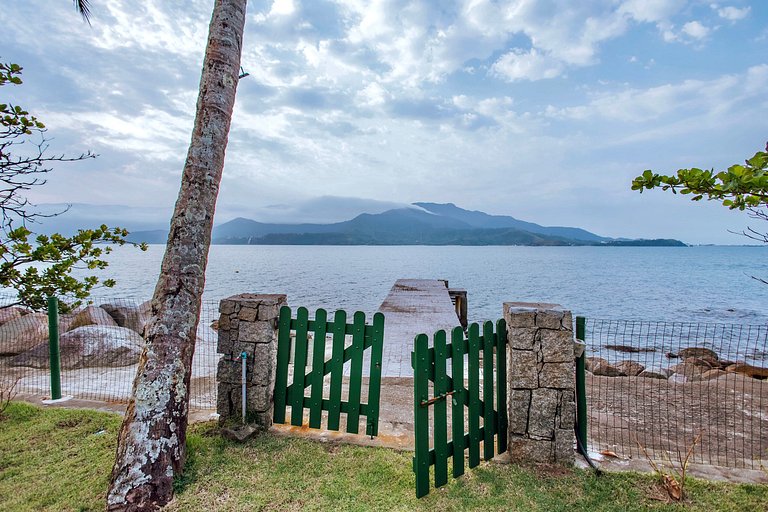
(540, 383)
(248, 324)
(581, 387)
(53, 347)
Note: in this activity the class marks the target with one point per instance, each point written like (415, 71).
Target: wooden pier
(413, 306)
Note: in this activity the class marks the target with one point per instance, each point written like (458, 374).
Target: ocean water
(685, 284)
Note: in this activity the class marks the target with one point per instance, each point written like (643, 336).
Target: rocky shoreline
(690, 364)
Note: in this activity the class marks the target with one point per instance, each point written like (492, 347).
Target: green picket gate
(430, 364)
(361, 337)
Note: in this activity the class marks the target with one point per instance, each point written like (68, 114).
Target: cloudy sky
(540, 109)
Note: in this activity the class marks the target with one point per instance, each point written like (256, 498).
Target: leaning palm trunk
(151, 444)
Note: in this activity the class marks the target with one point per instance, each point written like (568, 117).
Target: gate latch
(427, 403)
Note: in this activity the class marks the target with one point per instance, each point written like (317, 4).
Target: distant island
(423, 224)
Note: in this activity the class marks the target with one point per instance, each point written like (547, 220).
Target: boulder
(92, 315)
(706, 363)
(606, 369)
(87, 347)
(688, 369)
(591, 362)
(8, 314)
(697, 352)
(650, 374)
(630, 368)
(755, 372)
(630, 349)
(22, 333)
(714, 373)
(130, 316)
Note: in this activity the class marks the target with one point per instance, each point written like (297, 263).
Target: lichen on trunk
(151, 443)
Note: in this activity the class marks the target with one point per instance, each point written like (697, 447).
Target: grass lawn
(60, 459)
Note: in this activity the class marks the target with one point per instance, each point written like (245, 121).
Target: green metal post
(53, 347)
(581, 386)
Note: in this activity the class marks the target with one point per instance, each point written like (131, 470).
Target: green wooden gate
(430, 364)
(348, 343)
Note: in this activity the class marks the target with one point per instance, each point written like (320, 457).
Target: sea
(708, 284)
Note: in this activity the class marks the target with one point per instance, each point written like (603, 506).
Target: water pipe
(243, 358)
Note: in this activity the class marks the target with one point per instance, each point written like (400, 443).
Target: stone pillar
(248, 323)
(540, 382)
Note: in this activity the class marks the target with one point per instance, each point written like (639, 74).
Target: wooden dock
(413, 306)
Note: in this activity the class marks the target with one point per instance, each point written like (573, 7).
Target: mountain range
(420, 224)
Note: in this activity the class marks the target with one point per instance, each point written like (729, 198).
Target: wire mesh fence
(655, 386)
(100, 345)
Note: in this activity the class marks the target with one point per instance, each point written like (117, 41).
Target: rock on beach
(88, 346)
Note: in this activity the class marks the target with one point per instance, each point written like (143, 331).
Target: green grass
(57, 459)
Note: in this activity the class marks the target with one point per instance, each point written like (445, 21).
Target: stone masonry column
(248, 323)
(540, 382)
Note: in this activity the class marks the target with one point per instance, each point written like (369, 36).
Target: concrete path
(413, 306)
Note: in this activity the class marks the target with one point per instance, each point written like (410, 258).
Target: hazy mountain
(421, 224)
(429, 224)
(483, 220)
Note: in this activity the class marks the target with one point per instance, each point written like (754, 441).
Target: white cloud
(732, 13)
(689, 98)
(531, 65)
(652, 10)
(282, 8)
(695, 30)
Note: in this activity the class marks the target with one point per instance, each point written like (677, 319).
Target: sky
(540, 109)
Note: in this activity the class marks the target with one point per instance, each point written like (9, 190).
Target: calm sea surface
(702, 284)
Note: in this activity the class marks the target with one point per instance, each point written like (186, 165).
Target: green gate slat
(283, 357)
(421, 414)
(339, 330)
(459, 400)
(356, 372)
(474, 395)
(374, 382)
(501, 384)
(299, 366)
(440, 416)
(318, 361)
(489, 423)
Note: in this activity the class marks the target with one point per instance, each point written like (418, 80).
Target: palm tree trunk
(151, 443)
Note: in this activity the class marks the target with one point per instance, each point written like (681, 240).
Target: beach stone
(88, 346)
(23, 333)
(687, 369)
(697, 352)
(91, 315)
(129, 316)
(714, 373)
(703, 362)
(630, 368)
(650, 374)
(591, 362)
(755, 372)
(8, 314)
(606, 369)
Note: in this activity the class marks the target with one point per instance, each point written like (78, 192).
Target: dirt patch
(665, 416)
